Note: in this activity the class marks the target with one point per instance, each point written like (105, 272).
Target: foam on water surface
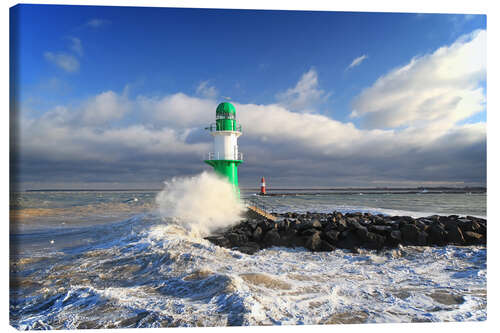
(164, 276)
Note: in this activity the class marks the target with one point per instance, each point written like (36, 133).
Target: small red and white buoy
(263, 186)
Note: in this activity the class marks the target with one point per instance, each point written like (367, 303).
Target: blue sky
(309, 63)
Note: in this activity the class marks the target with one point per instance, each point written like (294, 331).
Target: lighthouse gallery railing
(214, 128)
(217, 156)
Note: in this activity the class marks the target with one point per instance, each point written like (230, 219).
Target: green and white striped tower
(225, 157)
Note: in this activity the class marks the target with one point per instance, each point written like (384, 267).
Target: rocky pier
(327, 232)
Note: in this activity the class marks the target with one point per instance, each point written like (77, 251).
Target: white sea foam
(201, 204)
(295, 286)
(174, 279)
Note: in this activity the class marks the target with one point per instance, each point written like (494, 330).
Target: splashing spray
(201, 204)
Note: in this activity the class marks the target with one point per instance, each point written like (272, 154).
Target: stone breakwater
(326, 232)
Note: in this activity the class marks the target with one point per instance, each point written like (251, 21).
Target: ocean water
(116, 259)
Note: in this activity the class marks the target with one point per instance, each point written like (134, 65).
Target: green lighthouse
(225, 157)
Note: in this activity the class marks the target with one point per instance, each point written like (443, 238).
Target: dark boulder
(253, 224)
(394, 225)
(394, 238)
(409, 233)
(236, 239)
(420, 225)
(265, 225)
(455, 235)
(308, 232)
(348, 240)
(434, 218)
(257, 234)
(219, 241)
(361, 231)
(373, 241)
(341, 224)
(325, 246)
(272, 237)
(249, 248)
(382, 229)
(422, 238)
(331, 236)
(365, 222)
(313, 242)
(474, 238)
(437, 234)
(378, 220)
(316, 224)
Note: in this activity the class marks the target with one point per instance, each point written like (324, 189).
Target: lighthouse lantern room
(225, 157)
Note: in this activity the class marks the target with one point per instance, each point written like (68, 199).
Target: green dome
(225, 108)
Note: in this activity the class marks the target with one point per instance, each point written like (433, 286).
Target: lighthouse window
(226, 116)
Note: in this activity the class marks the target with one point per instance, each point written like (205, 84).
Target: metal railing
(211, 156)
(213, 128)
(267, 207)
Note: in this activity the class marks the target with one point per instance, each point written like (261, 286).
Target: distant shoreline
(273, 191)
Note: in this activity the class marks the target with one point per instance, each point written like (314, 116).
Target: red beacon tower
(263, 186)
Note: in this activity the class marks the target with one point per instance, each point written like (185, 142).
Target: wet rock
(434, 218)
(409, 233)
(325, 246)
(420, 225)
(272, 237)
(309, 225)
(236, 239)
(253, 224)
(348, 240)
(426, 221)
(308, 232)
(373, 241)
(219, 240)
(396, 236)
(325, 232)
(316, 224)
(447, 298)
(381, 228)
(331, 236)
(361, 231)
(474, 238)
(257, 234)
(365, 222)
(437, 234)
(265, 225)
(394, 225)
(341, 224)
(249, 248)
(454, 235)
(313, 242)
(422, 238)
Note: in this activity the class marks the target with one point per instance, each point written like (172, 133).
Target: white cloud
(63, 60)
(275, 138)
(205, 90)
(105, 107)
(76, 45)
(305, 95)
(96, 23)
(357, 61)
(437, 89)
(178, 110)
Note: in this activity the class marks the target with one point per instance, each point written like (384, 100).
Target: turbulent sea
(118, 259)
